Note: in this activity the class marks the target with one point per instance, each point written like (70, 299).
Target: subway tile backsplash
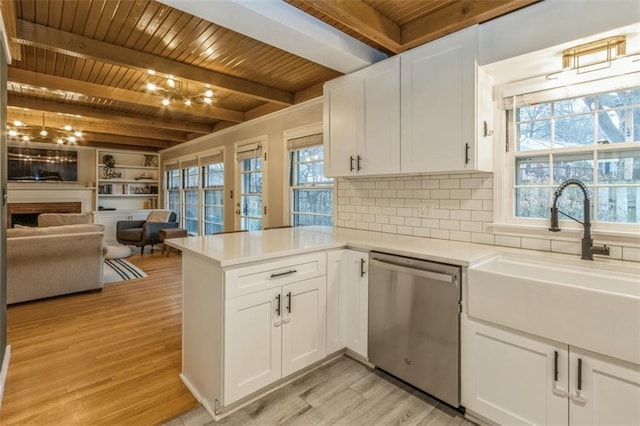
(451, 207)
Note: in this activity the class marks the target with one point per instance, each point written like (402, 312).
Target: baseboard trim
(4, 372)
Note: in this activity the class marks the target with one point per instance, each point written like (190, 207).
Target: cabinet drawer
(262, 276)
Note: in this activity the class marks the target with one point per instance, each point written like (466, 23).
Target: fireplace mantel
(44, 193)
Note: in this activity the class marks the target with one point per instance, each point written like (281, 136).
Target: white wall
(272, 125)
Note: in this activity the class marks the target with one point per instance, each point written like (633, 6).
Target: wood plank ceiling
(86, 63)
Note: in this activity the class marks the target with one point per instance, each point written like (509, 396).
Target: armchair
(141, 233)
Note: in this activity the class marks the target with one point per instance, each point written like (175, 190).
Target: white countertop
(243, 247)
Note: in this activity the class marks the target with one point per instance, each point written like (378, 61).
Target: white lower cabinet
(271, 334)
(510, 377)
(347, 301)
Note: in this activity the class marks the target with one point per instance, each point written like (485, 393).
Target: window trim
(321, 186)
(505, 223)
(239, 146)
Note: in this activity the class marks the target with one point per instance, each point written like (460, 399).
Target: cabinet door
(252, 343)
(356, 283)
(603, 390)
(336, 301)
(379, 150)
(511, 378)
(343, 124)
(304, 325)
(438, 103)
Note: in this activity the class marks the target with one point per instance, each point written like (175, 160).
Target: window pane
(190, 177)
(312, 201)
(574, 131)
(308, 220)
(619, 167)
(212, 228)
(252, 182)
(213, 197)
(532, 170)
(532, 202)
(534, 112)
(251, 224)
(575, 106)
(534, 135)
(619, 125)
(191, 197)
(252, 205)
(252, 164)
(213, 175)
(575, 166)
(618, 204)
(213, 214)
(571, 202)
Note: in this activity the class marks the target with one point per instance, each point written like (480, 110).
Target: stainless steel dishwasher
(414, 323)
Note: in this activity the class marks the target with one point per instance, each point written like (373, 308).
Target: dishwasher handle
(453, 279)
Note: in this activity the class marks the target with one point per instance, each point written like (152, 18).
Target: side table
(171, 233)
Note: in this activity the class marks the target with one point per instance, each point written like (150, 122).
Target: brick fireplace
(27, 213)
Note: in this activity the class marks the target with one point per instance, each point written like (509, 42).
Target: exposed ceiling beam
(456, 17)
(14, 100)
(8, 12)
(84, 47)
(281, 25)
(126, 140)
(52, 82)
(34, 119)
(361, 18)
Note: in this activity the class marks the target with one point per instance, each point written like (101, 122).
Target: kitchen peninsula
(262, 308)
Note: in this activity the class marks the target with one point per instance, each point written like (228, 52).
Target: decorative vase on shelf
(109, 166)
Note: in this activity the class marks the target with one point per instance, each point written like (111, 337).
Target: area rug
(116, 270)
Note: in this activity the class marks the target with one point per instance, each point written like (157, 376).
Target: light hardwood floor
(343, 392)
(109, 358)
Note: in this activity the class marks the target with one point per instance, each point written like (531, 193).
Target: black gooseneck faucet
(588, 249)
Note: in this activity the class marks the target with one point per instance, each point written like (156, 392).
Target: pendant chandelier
(172, 90)
(17, 130)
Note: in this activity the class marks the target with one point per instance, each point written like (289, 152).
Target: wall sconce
(603, 58)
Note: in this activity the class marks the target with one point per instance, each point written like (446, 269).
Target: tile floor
(344, 392)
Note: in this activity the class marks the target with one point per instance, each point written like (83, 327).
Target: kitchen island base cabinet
(272, 334)
(510, 377)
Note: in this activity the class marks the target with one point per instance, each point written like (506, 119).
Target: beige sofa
(51, 261)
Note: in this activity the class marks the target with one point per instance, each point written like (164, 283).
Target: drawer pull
(282, 274)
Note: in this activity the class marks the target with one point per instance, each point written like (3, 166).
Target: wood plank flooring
(108, 358)
(343, 392)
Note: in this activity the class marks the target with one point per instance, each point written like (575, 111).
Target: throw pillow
(159, 216)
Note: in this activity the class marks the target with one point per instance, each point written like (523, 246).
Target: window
(593, 138)
(172, 179)
(190, 185)
(213, 194)
(311, 191)
(250, 160)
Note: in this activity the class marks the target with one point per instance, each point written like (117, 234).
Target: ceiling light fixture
(600, 58)
(28, 133)
(173, 90)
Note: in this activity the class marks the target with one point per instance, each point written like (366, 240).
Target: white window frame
(204, 189)
(172, 166)
(191, 163)
(239, 146)
(505, 222)
(299, 132)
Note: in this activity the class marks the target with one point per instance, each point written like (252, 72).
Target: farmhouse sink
(589, 304)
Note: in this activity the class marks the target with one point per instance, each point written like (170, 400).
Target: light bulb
(166, 102)
(208, 93)
(43, 133)
(151, 87)
(67, 128)
(17, 123)
(207, 101)
(78, 133)
(152, 72)
(187, 102)
(72, 139)
(25, 138)
(13, 133)
(59, 141)
(171, 83)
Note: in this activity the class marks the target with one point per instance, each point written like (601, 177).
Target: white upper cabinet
(427, 110)
(362, 121)
(446, 101)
